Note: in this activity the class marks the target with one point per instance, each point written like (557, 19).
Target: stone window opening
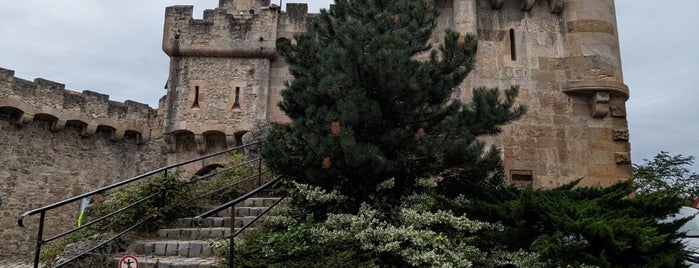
(521, 178)
(513, 46)
(195, 102)
(236, 99)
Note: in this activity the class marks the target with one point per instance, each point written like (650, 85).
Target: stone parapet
(249, 34)
(89, 110)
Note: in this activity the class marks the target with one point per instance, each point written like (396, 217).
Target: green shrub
(173, 197)
(418, 235)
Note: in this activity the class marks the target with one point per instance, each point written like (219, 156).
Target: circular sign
(128, 261)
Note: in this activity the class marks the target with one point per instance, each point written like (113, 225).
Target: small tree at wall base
(666, 173)
(572, 225)
(364, 109)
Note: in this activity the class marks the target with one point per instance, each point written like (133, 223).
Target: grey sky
(113, 47)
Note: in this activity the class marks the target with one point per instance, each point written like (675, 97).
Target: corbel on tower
(58, 124)
(600, 104)
(89, 130)
(117, 135)
(555, 6)
(496, 4)
(527, 5)
(25, 118)
(230, 140)
(200, 140)
(142, 138)
(170, 141)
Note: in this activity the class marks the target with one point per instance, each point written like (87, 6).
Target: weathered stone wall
(56, 144)
(219, 75)
(295, 20)
(569, 72)
(225, 81)
(564, 55)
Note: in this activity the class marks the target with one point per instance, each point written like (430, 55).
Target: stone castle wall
(564, 55)
(225, 81)
(58, 144)
(566, 61)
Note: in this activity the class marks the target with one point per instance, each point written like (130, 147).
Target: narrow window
(236, 100)
(195, 103)
(513, 45)
(521, 178)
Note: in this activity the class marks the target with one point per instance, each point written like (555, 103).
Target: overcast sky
(114, 47)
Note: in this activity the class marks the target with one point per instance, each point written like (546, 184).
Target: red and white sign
(128, 261)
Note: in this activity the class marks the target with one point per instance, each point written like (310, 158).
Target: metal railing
(231, 205)
(40, 241)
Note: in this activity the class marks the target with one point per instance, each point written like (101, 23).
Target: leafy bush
(418, 235)
(158, 207)
(172, 197)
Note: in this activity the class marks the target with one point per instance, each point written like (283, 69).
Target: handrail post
(163, 195)
(231, 249)
(259, 172)
(39, 238)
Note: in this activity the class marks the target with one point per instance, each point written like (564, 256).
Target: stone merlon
(90, 110)
(220, 34)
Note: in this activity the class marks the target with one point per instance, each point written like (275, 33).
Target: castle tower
(225, 80)
(219, 75)
(564, 55)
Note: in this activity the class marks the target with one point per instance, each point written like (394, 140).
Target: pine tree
(371, 102)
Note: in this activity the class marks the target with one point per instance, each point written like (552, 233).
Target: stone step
(172, 262)
(189, 249)
(195, 233)
(213, 222)
(240, 211)
(259, 202)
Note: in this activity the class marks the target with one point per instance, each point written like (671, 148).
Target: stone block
(171, 248)
(622, 158)
(194, 250)
(183, 249)
(621, 134)
(217, 222)
(160, 249)
(618, 109)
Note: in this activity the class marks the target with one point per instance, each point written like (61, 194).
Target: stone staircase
(183, 244)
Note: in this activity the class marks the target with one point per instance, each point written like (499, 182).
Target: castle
(224, 83)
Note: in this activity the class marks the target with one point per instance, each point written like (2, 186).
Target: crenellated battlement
(242, 29)
(220, 34)
(49, 100)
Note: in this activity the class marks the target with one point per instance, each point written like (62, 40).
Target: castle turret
(219, 74)
(226, 79)
(564, 55)
(591, 46)
(594, 74)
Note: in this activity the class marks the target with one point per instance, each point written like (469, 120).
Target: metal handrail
(223, 188)
(20, 220)
(258, 217)
(42, 210)
(139, 223)
(232, 203)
